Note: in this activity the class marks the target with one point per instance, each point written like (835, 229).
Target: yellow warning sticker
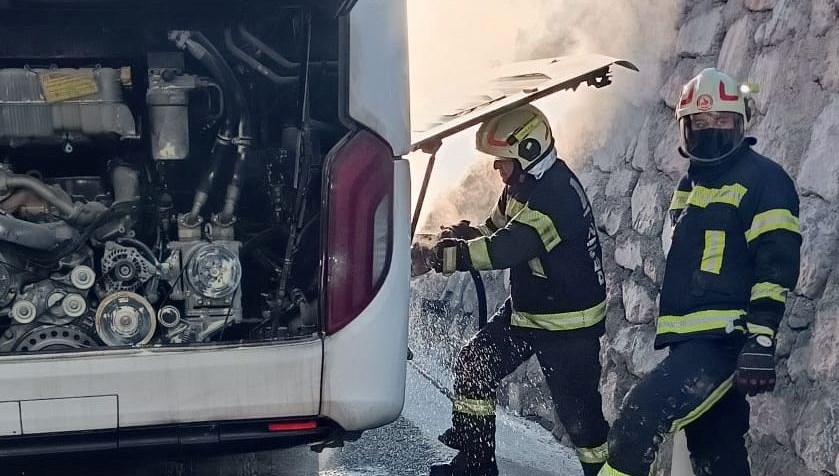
(65, 86)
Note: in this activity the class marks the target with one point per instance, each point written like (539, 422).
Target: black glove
(462, 230)
(422, 258)
(756, 366)
(451, 255)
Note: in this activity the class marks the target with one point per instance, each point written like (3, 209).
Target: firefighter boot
(465, 464)
(591, 469)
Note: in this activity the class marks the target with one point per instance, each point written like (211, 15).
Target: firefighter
(543, 230)
(734, 257)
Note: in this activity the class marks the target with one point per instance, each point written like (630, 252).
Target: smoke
(453, 42)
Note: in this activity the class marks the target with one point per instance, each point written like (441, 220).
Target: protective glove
(462, 230)
(755, 372)
(421, 259)
(451, 255)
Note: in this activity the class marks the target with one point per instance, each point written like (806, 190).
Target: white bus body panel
(379, 95)
(365, 363)
(156, 387)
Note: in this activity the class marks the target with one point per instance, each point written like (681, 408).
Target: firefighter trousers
(570, 361)
(691, 390)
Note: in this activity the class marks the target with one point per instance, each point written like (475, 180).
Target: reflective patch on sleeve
(758, 330)
(772, 220)
(772, 291)
(479, 254)
(540, 222)
(714, 250)
(449, 260)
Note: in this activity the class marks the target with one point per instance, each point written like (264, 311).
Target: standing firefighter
(542, 229)
(733, 258)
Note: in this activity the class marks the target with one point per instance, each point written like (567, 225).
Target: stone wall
(790, 48)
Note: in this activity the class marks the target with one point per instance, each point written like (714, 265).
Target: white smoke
(453, 41)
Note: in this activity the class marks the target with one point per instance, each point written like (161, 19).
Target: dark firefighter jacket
(735, 250)
(543, 230)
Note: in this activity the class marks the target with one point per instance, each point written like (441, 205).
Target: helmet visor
(712, 136)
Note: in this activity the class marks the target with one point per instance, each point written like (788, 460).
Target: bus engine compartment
(160, 171)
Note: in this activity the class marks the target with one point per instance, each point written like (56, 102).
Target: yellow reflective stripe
(474, 407)
(680, 200)
(607, 470)
(561, 321)
(757, 329)
(713, 252)
(700, 321)
(772, 291)
(484, 230)
(729, 194)
(479, 253)
(513, 208)
(594, 455)
(540, 222)
(771, 220)
(498, 219)
(536, 268)
(703, 408)
(526, 129)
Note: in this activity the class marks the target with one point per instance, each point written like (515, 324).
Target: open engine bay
(160, 172)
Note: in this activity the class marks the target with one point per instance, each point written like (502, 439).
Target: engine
(124, 219)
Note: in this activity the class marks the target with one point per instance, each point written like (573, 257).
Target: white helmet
(711, 91)
(522, 134)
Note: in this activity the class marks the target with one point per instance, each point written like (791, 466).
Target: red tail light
(292, 426)
(359, 237)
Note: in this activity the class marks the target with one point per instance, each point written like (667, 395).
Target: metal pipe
(254, 63)
(37, 236)
(270, 52)
(423, 191)
(12, 181)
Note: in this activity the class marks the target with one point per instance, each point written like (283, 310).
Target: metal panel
(379, 96)
(69, 414)
(73, 113)
(169, 386)
(513, 85)
(9, 418)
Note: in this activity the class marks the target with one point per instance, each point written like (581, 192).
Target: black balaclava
(711, 145)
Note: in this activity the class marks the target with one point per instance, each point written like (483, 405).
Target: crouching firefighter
(543, 230)
(733, 258)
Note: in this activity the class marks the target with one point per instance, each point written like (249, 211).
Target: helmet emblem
(705, 103)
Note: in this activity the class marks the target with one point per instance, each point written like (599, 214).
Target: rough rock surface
(790, 48)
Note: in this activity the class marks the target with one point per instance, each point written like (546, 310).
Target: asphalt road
(404, 448)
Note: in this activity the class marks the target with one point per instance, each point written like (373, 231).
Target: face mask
(710, 144)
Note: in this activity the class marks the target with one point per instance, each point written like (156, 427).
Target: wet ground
(404, 448)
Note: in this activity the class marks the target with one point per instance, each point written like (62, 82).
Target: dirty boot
(466, 465)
